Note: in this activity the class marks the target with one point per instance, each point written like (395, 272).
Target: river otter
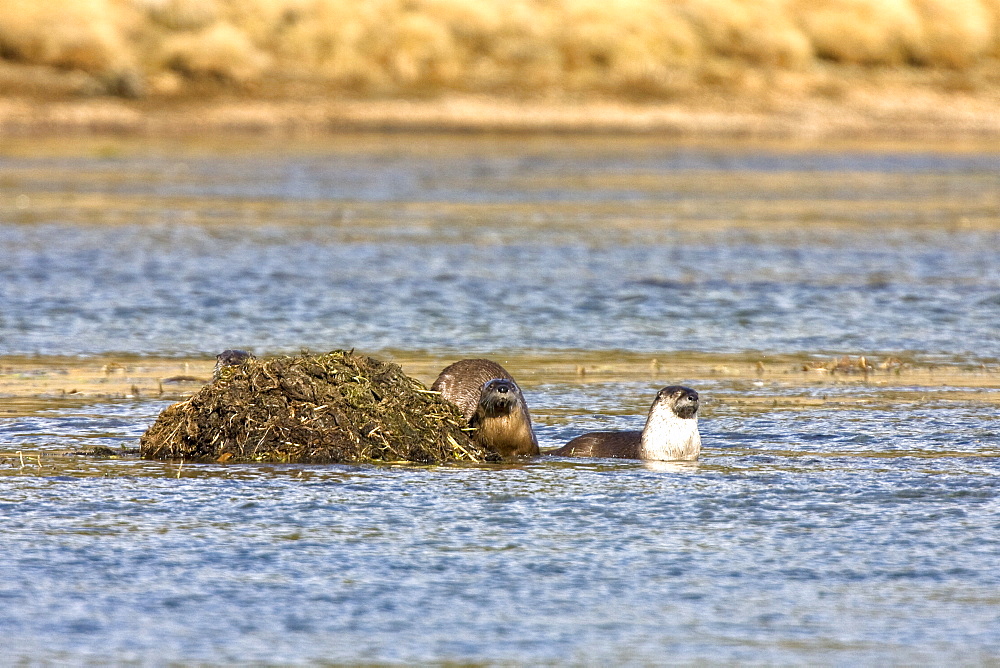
(230, 358)
(492, 403)
(671, 432)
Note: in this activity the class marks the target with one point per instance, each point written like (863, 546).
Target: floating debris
(853, 365)
(336, 407)
(104, 452)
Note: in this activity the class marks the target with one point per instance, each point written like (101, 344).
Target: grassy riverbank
(906, 69)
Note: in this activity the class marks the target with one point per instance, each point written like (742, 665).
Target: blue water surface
(464, 244)
(844, 522)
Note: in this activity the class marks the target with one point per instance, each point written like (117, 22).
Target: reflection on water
(844, 520)
(671, 467)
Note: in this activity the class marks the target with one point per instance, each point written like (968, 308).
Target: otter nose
(502, 389)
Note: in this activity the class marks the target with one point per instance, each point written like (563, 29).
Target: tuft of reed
(336, 407)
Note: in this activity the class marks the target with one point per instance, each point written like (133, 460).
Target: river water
(832, 519)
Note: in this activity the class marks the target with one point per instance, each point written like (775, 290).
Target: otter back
(604, 444)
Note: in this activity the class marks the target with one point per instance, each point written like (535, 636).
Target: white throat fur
(668, 437)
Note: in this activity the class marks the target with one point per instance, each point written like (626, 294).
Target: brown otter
(230, 358)
(671, 432)
(492, 403)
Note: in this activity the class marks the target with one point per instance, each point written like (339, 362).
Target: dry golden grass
(646, 49)
(861, 31)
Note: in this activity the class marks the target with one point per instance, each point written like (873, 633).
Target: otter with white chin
(670, 434)
(492, 403)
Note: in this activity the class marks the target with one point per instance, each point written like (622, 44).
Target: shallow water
(832, 519)
(818, 535)
(462, 245)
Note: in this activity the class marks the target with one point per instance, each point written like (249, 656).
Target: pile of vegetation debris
(336, 407)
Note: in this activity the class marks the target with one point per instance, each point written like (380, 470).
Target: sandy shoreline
(914, 115)
(28, 385)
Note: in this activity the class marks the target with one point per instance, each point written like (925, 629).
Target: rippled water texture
(833, 519)
(814, 536)
(428, 243)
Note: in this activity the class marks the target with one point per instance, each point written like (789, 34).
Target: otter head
(671, 431)
(498, 397)
(502, 422)
(682, 401)
(230, 358)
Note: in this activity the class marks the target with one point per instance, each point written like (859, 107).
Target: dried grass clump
(385, 46)
(938, 33)
(759, 31)
(992, 8)
(220, 52)
(82, 35)
(182, 14)
(862, 32)
(337, 407)
(956, 32)
(625, 46)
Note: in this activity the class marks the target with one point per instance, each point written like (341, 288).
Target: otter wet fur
(670, 434)
(491, 401)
